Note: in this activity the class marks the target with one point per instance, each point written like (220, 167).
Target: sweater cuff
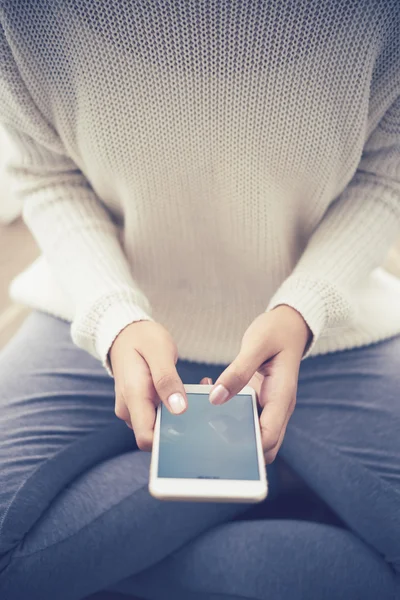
(321, 305)
(96, 329)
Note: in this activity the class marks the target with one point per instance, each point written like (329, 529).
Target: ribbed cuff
(96, 330)
(317, 301)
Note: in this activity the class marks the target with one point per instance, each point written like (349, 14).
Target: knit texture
(200, 162)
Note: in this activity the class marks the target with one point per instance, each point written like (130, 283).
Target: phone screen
(209, 442)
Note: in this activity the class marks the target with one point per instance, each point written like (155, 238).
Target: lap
(57, 425)
(74, 501)
(343, 441)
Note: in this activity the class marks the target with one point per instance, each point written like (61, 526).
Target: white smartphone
(209, 453)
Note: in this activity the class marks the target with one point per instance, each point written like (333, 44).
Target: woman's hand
(143, 359)
(269, 361)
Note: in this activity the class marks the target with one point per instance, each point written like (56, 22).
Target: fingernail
(209, 381)
(177, 403)
(219, 395)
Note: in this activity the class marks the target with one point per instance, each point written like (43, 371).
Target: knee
(20, 501)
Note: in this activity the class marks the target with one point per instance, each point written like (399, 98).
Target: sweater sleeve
(71, 225)
(352, 239)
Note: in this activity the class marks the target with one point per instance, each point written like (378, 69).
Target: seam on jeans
(42, 465)
(382, 482)
(320, 443)
(68, 537)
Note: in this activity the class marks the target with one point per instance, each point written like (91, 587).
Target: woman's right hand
(143, 358)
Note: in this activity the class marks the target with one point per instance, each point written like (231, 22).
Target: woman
(217, 180)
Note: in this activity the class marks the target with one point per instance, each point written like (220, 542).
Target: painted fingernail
(177, 403)
(219, 395)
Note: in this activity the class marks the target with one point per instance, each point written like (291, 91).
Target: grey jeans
(76, 516)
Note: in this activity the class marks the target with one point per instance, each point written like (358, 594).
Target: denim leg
(75, 512)
(343, 440)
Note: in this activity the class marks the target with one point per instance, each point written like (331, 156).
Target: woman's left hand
(269, 361)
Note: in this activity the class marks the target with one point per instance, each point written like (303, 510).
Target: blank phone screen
(209, 442)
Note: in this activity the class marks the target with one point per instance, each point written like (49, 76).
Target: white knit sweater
(202, 162)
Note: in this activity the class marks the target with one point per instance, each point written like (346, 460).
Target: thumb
(235, 377)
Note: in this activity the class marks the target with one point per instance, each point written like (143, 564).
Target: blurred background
(18, 250)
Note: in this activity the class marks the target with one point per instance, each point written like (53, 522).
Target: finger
(236, 376)
(278, 397)
(206, 381)
(271, 454)
(136, 401)
(166, 380)
(121, 410)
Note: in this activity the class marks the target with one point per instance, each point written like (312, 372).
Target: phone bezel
(215, 490)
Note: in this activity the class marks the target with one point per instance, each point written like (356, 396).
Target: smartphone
(209, 453)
